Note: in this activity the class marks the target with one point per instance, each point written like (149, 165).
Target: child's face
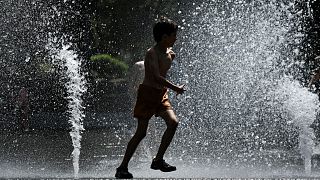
(171, 39)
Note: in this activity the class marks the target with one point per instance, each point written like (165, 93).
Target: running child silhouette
(153, 99)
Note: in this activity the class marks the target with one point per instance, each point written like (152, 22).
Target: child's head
(162, 27)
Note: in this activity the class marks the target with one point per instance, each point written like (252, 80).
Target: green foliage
(107, 66)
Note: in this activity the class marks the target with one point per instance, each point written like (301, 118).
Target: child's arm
(154, 67)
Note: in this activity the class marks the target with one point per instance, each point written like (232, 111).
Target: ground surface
(46, 154)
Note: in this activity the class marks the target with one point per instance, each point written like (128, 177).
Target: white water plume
(302, 106)
(76, 86)
(235, 56)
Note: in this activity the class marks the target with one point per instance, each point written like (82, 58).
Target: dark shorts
(151, 101)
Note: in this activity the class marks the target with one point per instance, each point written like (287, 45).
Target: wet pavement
(46, 154)
(42, 153)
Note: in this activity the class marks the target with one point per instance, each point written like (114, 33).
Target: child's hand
(181, 89)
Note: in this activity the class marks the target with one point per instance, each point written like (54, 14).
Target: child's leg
(135, 140)
(25, 120)
(172, 123)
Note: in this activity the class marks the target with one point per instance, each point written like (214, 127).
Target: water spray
(76, 86)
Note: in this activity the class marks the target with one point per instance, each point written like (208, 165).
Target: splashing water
(302, 107)
(235, 54)
(76, 86)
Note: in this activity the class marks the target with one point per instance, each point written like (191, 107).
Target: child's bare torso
(164, 64)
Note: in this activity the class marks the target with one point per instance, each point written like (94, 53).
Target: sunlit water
(301, 106)
(244, 113)
(76, 86)
(238, 60)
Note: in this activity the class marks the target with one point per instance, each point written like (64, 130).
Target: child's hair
(163, 26)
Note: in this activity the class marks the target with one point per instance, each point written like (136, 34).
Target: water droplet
(27, 59)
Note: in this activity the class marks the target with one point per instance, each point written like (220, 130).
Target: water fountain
(76, 87)
(242, 53)
(301, 107)
(30, 32)
(245, 113)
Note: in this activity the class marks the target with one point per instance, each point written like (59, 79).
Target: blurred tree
(108, 67)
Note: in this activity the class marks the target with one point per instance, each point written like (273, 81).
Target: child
(152, 97)
(23, 107)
